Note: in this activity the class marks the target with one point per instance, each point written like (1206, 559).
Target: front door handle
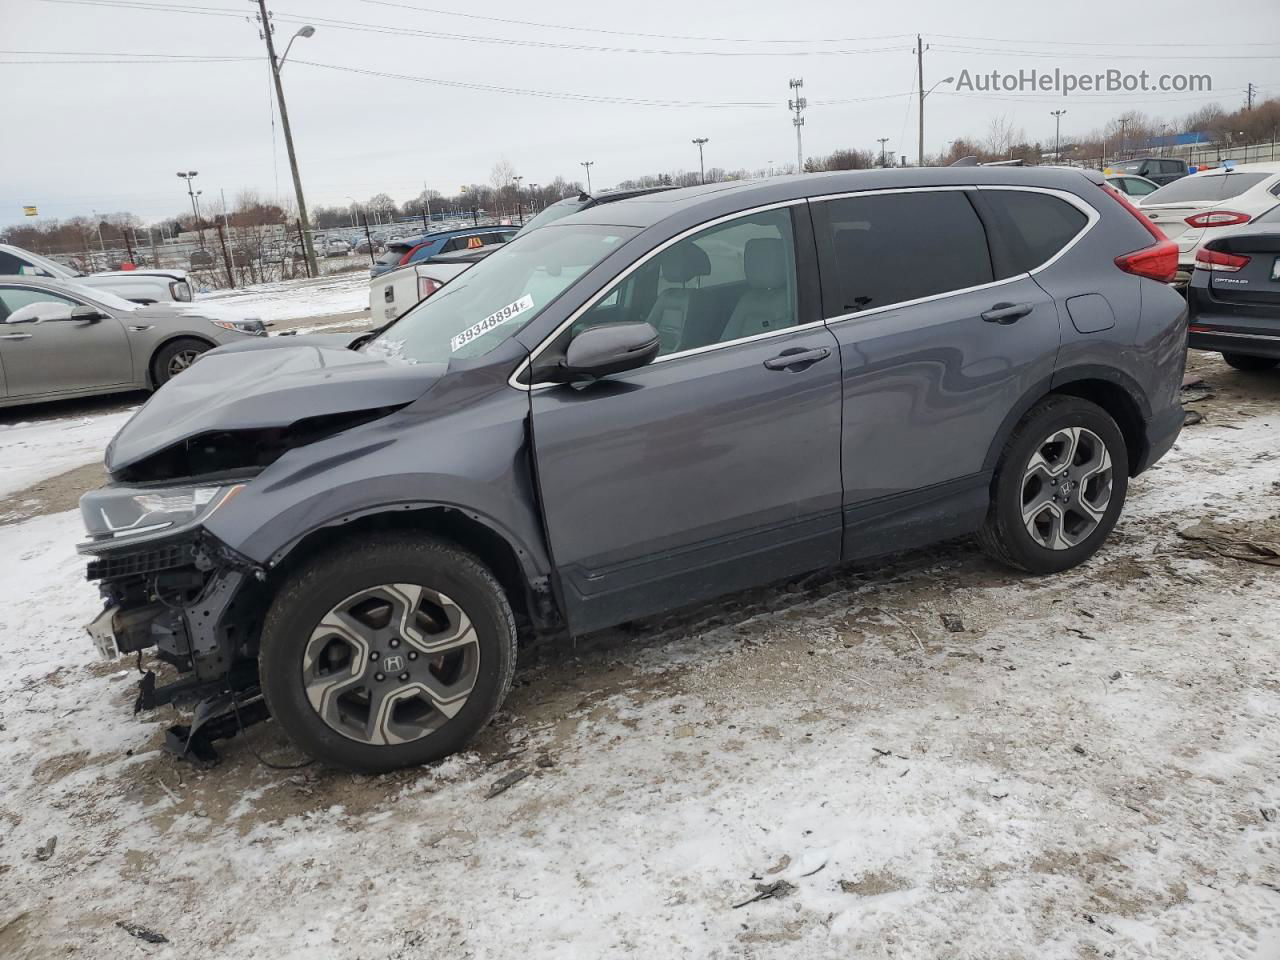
(796, 357)
(16, 336)
(1006, 313)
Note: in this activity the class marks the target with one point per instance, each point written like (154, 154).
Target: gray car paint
(470, 444)
(71, 358)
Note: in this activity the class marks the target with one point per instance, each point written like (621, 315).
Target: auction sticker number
(495, 319)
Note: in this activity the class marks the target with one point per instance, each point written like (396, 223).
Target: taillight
(427, 286)
(1218, 218)
(1224, 262)
(1156, 262)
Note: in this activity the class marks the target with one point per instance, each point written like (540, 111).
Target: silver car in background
(63, 339)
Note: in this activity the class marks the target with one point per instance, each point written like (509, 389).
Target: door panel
(934, 353)
(59, 355)
(691, 477)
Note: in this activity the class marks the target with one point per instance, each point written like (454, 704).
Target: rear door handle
(1006, 313)
(16, 336)
(796, 357)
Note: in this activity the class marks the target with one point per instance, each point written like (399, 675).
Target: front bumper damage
(197, 603)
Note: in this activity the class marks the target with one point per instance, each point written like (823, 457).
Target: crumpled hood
(256, 389)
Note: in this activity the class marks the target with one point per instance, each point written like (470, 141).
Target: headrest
(765, 263)
(683, 262)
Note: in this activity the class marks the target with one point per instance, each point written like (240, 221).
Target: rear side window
(1027, 228)
(890, 248)
(1215, 186)
(1170, 166)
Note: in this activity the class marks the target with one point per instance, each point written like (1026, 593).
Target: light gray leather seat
(670, 312)
(767, 304)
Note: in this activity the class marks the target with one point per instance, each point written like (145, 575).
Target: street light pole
(305, 31)
(519, 199)
(702, 171)
(588, 164)
(195, 209)
(923, 95)
(1057, 134)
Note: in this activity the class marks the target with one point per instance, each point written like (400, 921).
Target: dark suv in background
(641, 406)
(1159, 170)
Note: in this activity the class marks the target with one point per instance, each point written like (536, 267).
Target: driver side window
(728, 282)
(26, 305)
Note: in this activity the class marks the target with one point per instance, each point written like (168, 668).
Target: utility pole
(588, 164)
(882, 141)
(797, 105)
(1124, 122)
(306, 31)
(1249, 92)
(702, 170)
(920, 88)
(1057, 131)
(519, 199)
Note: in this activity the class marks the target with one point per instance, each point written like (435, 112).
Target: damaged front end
(170, 585)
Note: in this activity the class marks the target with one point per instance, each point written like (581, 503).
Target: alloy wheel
(391, 664)
(181, 360)
(1066, 488)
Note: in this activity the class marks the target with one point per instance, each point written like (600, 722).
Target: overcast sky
(110, 136)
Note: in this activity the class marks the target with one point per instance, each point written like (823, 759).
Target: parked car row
(139, 286)
(631, 410)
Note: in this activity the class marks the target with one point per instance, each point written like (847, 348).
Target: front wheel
(1248, 362)
(1059, 487)
(392, 653)
(175, 357)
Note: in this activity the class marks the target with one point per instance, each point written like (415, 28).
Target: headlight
(111, 515)
(181, 290)
(255, 328)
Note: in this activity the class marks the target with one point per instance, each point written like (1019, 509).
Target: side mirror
(87, 314)
(611, 348)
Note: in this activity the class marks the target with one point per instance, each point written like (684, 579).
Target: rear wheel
(1059, 487)
(1248, 362)
(174, 357)
(390, 654)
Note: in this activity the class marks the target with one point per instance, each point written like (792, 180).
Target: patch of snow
(31, 451)
(291, 299)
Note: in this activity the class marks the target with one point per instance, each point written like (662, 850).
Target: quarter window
(894, 247)
(1027, 228)
(730, 281)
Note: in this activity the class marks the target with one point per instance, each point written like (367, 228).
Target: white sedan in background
(1132, 186)
(1189, 211)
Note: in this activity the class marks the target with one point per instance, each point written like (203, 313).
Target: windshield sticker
(495, 319)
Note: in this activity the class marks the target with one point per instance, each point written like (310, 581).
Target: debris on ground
(1191, 380)
(1192, 416)
(952, 622)
(1197, 396)
(141, 932)
(545, 761)
(782, 864)
(503, 784)
(45, 850)
(769, 891)
(1255, 542)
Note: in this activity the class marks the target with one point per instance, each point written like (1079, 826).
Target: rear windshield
(554, 212)
(1216, 186)
(393, 253)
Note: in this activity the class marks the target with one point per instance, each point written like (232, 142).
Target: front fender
(464, 446)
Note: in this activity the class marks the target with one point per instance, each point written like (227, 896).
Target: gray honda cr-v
(636, 408)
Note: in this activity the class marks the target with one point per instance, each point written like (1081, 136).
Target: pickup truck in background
(140, 286)
(392, 294)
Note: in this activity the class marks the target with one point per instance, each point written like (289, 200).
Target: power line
(1050, 55)
(627, 33)
(1112, 43)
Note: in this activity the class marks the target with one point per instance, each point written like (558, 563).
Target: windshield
(476, 312)
(1217, 186)
(555, 212)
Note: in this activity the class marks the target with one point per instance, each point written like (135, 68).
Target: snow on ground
(1088, 770)
(34, 450)
(292, 299)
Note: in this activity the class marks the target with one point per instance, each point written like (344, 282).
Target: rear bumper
(1221, 341)
(1162, 433)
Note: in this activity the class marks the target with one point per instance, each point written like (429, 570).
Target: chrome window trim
(1089, 211)
(514, 379)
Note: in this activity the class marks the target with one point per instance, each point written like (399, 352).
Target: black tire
(1004, 535)
(311, 592)
(169, 357)
(1248, 362)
